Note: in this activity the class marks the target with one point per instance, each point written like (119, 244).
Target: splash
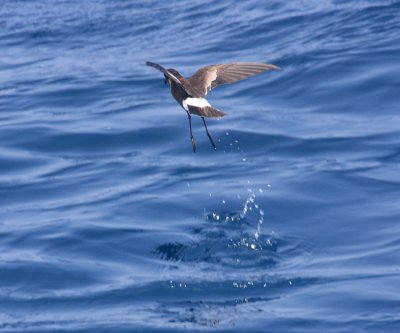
(250, 213)
(252, 206)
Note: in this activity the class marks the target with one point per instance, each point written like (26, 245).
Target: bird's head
(167, 80)
(174, 72)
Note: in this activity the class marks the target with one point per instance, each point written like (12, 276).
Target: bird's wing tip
(274, 67)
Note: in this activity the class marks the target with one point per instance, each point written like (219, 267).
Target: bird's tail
(206, 111)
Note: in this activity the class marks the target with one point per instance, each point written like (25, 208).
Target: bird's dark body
(181, 94)
(178, 92)
(189, 93)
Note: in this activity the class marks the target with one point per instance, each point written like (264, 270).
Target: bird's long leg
(191, 134)
(208, 134)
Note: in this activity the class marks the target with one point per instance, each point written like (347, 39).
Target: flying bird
(189, 93)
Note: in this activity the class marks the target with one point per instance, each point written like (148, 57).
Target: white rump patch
(199, 102)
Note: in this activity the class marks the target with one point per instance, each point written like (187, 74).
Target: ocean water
(110, 223)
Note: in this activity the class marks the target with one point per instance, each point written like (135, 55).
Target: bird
(190, 93)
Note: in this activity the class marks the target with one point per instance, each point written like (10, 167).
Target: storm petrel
(189, 93)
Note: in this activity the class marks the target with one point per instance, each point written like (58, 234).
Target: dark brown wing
(164, 71)
(209, 77)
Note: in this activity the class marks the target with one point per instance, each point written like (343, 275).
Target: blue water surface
(110, 223)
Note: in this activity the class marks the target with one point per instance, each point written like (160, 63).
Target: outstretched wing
(163, 70)
(212, 76)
